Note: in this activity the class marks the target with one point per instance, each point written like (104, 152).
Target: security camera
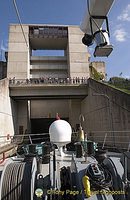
(94, 17)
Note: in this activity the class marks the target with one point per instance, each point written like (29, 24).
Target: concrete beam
(49, 58)
(48, 67)
(48, 43)
(48, 91)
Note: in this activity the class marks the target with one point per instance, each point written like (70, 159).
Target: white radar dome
(60, 133)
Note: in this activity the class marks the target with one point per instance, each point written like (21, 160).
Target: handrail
(61, 81)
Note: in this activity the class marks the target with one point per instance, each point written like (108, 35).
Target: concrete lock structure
(41, 86)
(23, 65)
(38, 87)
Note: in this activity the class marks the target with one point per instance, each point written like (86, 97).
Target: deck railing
(61, 81)
(104, 139)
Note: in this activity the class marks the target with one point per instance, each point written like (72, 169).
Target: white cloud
(120, 35)
(125, 16)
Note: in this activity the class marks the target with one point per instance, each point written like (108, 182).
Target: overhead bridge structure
(52, 91)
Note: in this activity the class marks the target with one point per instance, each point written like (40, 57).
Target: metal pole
(54, 169)
(104, 141)
(112, 123)
(81, 119)
(85, 143)
(111, 115)
(30, 139)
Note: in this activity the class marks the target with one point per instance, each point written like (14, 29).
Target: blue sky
(70, 12)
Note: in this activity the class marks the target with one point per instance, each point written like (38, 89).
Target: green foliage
(95, 74)
(120, 83)
(115, 78)
(124, 90)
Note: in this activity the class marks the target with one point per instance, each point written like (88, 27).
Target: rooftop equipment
(94, 17)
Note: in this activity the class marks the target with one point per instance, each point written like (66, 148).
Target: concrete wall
(96, 110)
(18, 53)
(74, 112)
(46, 108)
(99, 66)
(13, 114)
(8, 112)
(76, 63)
(48, 66)
(47, 74)
(78, 53)
(23, 116)
(65, 108)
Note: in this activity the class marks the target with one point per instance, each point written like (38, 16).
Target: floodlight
(94, 17)
(103, 51)
(87, 40)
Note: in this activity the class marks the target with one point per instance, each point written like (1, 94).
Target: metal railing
(104, 139)
(59, 81)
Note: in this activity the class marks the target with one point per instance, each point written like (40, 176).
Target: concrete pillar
(78, 53)
(74, 111)
(18, 53)
(22, 117)
(8, 112)
(70, 111)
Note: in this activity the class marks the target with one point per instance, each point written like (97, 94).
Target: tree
(95, 74)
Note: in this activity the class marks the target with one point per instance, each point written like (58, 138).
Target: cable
(17, 181)
(103, 181)
(20, 21)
